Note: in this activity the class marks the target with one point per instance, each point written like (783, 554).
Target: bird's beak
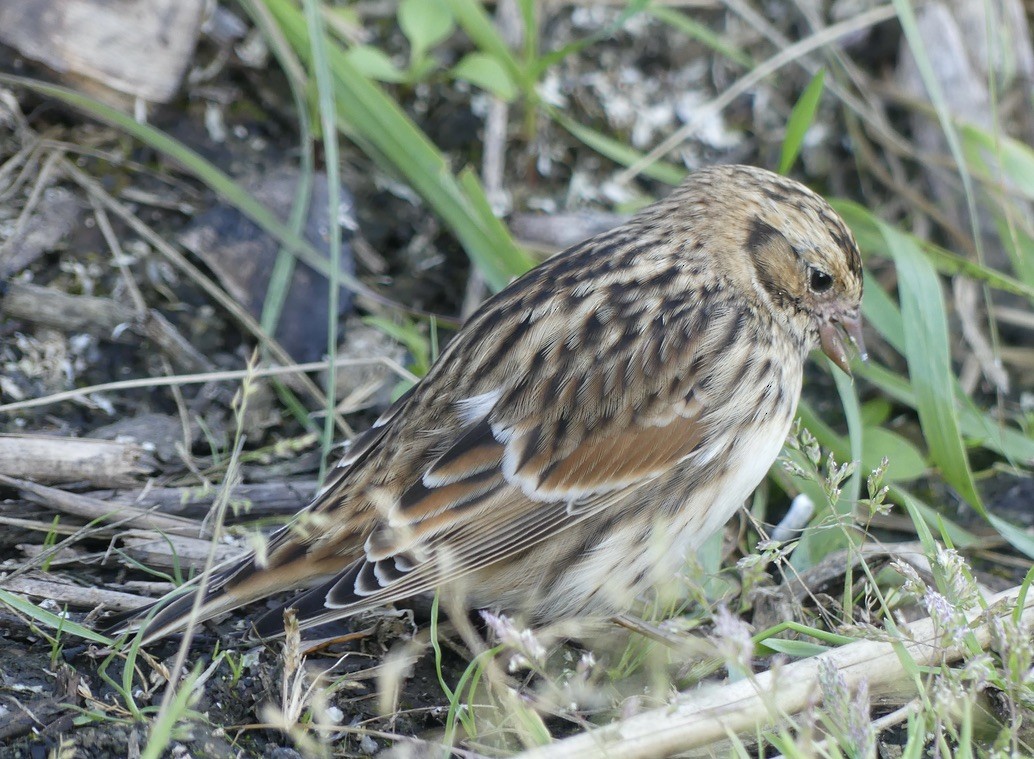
(831, 338)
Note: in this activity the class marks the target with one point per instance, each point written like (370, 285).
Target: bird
(588, 426)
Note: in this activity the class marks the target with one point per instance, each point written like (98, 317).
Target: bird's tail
(199, 600)
(231, 586)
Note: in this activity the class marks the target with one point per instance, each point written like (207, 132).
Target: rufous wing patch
(602, 463)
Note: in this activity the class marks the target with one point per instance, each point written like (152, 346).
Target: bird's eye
(820, 281)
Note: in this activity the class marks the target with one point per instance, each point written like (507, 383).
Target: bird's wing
(453, 481)
(501, 483)
(529, 458)
(488, 498)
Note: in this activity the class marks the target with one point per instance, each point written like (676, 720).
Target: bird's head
(785, 244)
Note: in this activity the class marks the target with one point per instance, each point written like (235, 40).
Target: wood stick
(102, 463)
(709, 715)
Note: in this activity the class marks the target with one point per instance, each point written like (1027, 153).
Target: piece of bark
(102, 463)
(242, 256)
(62, 557)
(53, 218)
(161, 433)
(69, 313)
(139, 48)
(38, 525)
(175, 552)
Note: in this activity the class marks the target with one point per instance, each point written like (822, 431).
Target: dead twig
(112, 320)
(91, 509)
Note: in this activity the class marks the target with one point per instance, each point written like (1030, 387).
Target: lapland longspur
(589, 424)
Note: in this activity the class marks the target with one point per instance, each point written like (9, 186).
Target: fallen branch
(74, 595)
(91, 509)
(712, 714)
(46, 458)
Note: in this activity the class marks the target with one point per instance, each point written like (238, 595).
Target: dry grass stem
(758, 74)
(191, 379)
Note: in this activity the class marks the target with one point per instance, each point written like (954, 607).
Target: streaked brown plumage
(591, 423)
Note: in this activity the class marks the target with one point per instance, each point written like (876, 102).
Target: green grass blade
(876, 443)
(1006, 167)
(1017, 536)
(389, 135)
(991, 154)
(551, 58)
(50, 620)
(283, 269)
(929, 362)
(976, 426)
(471, 16)
(906, 461)
(484, 71)
(163, 728)
(853, 414)
(882, 313)
(219, 182)
(425, 23)
(924, 516)
(801, 116)
(701, 33)
(1017, 241)
(866, 229)
(618, 151)
(798, 649)
(325, 92)
(914, 38)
